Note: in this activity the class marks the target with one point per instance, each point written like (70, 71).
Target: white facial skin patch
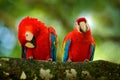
(29, 36)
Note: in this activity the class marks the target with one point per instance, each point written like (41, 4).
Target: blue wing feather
(53, 47)
(92, 52)
(23, 52)
(66, 51)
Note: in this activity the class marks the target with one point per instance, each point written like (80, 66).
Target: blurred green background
(102, 15)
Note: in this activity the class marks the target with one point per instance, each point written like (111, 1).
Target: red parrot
(79, 44)
(37, 40)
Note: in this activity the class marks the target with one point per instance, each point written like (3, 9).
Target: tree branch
(14, 68)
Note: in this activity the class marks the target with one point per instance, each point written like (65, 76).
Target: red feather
(42, 37)
(80, 20)
(80, 45)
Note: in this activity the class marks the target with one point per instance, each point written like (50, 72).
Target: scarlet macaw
(79, 44)
(37, 40)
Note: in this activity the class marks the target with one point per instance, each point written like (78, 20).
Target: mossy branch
(14, 69)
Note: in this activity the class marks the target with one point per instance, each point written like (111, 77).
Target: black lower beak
(33, 41)
(81, 30)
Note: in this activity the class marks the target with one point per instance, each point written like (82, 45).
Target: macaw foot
(50, 59)
(69, 61)
(31, 57)
(86, 60)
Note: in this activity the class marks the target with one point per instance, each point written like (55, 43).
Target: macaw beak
(31, 40)
(83, 27)
(30, 44)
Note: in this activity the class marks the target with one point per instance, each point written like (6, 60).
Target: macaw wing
(53, 46)
(23, 52)
(53, 38)
(92, 50)
(65, 52)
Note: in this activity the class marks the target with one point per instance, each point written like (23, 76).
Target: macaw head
(82, 25)
(28, 30)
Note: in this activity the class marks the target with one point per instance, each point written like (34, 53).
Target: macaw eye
(26, 34)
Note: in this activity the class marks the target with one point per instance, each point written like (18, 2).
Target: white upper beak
(83, 27)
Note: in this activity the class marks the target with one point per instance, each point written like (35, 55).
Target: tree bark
(28, 69)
